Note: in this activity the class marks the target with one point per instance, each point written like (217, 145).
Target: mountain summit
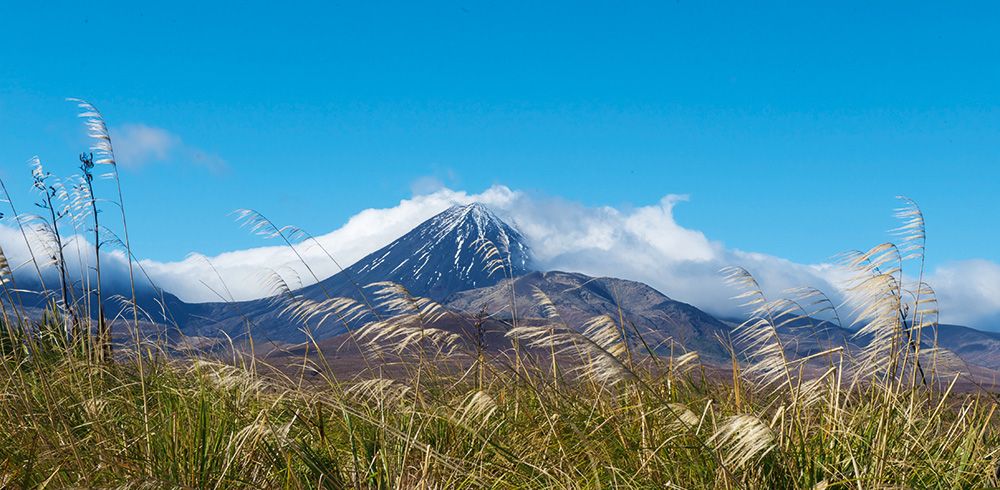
(436, 259)
(439, 257)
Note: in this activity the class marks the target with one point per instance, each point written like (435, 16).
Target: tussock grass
(563, 406)
(69, 421)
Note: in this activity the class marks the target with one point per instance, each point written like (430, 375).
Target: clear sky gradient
(791, 125)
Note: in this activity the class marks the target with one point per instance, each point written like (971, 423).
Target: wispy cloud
(440, 179)
(137, 145)
(427, 184)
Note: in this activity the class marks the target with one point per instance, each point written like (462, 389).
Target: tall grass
(564, 406)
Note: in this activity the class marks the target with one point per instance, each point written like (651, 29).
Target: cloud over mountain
(643, 243)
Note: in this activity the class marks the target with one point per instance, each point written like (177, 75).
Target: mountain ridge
(439, 259)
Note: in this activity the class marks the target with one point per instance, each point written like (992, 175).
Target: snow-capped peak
(472, 220)
(439, 257)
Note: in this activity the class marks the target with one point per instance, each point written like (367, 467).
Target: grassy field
(561, 406)
(151, 421)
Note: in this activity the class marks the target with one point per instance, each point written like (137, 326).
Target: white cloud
(137, 145)
(968, 292)
(646, 244)
(643, 243)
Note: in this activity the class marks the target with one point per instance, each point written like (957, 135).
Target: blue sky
(791, 126)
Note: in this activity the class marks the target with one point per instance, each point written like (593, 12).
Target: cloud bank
(642, 243)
